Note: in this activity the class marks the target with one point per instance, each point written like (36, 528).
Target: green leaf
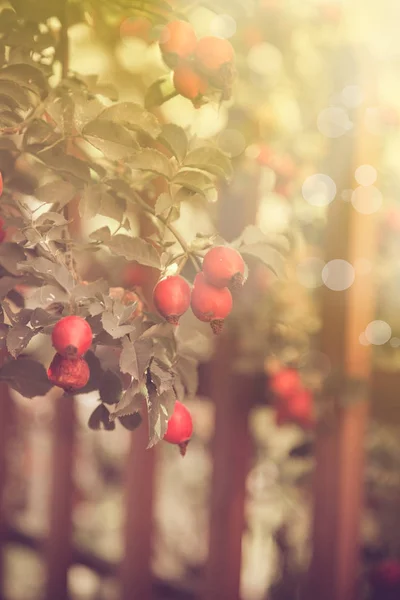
(41, 318)
(11, 255)
(50, 294)
(18, 338)
(111, 325)
(135, 249)
(153, 161)
(56, 159)
(159, 410)
(27, 76)
(110, 138)
(14, 95)
(102, 235)
(57, 192)
(267, 255)
(160, 91)
(27, 377)
(132, 116)
(210, 159)
(161, 376)
(7, 284)
(187, 369)
(194, 181)
(99, 418)
(49, 270)
(135, 357)
(164, 202)
(39, 133)
(94, 289)
(131, 402)
(174, 138)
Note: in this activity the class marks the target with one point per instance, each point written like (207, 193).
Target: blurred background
(313, 498)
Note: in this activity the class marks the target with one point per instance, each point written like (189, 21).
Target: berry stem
(185, 247)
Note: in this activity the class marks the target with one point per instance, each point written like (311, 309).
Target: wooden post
(59, 542)
(345, 314)
(233, 396)
(136, 576)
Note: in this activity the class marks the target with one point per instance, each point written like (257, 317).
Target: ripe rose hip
(210, 304)
(171, 297)
(180, 427)
(189, 84)
(72, 336)
(68, 373)
(212, 53)
(285, 383)
(135, 274)
(178, 41)
(223, 267)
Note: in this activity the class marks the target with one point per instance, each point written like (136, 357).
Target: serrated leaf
(110, 388)
(194, 181)
(160, 330)
(50, 294)
(11, 255)
(187, 369)
(131, 402)
(159, 410)
(111, 325)
(110, 138)
(164, 202)
(135, 357)
(27, 76)
(48, 270)
(269, 256)
(153, 161)
(99, 418)
(26, 376)
(55, 158)
(90, 290)
(210, 159)
(175, 139)
(41, 318)
(132, 116)
(131, 422)
(50, 217)
(135, 249)
(161, 376)
(18, 338)
(59, 193)
(102, 235)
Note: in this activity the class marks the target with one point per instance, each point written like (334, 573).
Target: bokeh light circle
(366, 175)
(265, 59)
(223, 26)
(333, 122)
(352, 96)
(378, 332)
(319, 189)
(395, 342)
(366, 199)
(338, 275)
(309, 272)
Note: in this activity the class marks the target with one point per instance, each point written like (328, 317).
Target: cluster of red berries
(72, 337)
(294, 403)
(211, 298)
(197, 64)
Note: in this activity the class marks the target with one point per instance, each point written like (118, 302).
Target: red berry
(223, 267)
(171, 297)
(178, 41)
(72, 336)
(180, 427)
(68, 373)
(188, 83)
(210, 304)
(212, 53)
(286, 383)
(300, 408)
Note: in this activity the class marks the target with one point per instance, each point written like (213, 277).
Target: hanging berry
(190, 84)
(72, 336)
(171, 297)
(68, 373)
(224, 267)
(180, 427)
(210, 304)
(177, 42)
